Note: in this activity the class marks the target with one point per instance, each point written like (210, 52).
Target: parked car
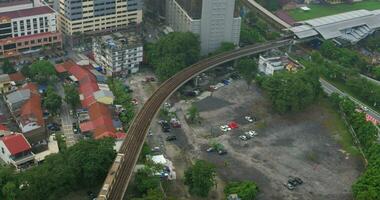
(165, 126)
(171, 138)
(225, 128)
(210, 149)
(251, 133)
(289, 186)
(249, 118)
(243, 137)
(155, 149)
(222, 152)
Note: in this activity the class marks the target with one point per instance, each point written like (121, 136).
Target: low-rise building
(16, 150)
(269, 65)
(119, 53)
(27, 30)
(25, 107)
(5, 83)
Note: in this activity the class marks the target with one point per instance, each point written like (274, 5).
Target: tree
(193, 114)
(52, 101)
(173, 52)
(9, 190)
(246, 190)
(200, 178)
(82, 166)
(72, 96)
(42, 71)
(7, 67)
(247, 68)
(146, 180)
(152, 194)
(224, 47)
(292, 92)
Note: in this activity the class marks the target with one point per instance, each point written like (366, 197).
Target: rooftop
(27, 12)
(350, 26)
(6, 3)
(121, 40)
(16, 143)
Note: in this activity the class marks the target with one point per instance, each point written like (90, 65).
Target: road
(67, 121)
(370, 79)
(119, 175)
(329, 88)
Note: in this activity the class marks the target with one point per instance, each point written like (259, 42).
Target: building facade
(76, 16)
(15, 150)
(119, 53)
(213, 20)
(27, 30)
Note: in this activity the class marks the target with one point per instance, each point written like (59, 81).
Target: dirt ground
(299, 145)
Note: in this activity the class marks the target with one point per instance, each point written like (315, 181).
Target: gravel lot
(290, 145)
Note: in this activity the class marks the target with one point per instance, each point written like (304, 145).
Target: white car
(243, 137)
(225, 128)
(249, 118)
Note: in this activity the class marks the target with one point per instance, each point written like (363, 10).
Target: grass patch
(324, 10)
(336, 124)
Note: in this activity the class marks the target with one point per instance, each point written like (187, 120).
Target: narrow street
(67, 121)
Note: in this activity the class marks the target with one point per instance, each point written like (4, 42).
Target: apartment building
(119, 53)
(215, 21)
(86, 16)
(27, 30)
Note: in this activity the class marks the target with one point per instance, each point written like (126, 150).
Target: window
(2, 150)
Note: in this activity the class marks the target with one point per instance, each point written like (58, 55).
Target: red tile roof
(101, 119)
(17, 76)
(3, 127)
(27, 12)
(32, 110)
(60, 68)
(87, 126)
(16, 143)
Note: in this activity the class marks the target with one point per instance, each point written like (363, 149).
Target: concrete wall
(217, 24)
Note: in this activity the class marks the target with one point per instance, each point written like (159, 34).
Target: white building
(119, 53)
(269, 65)
(15, 150)
(213, 20)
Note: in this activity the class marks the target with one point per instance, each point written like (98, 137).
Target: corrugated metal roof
(352, 26)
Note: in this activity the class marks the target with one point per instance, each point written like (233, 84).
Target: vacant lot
(304, 145)
(323, 10)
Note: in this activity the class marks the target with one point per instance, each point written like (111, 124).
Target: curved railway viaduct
(121, 171)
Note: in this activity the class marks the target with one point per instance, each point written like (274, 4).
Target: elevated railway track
(121, 171)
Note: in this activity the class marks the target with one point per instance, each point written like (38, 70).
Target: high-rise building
(86, 16)
(27, 29)
(213, 20)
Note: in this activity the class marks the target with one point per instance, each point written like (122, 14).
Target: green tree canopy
(53, 101)
(247, 68)
(173, 52)
(72, 96)
(42, 71)
(81, 166)
(292, 92)
(200, 178)
(7, 67)
(193, 114)
(246, 190)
